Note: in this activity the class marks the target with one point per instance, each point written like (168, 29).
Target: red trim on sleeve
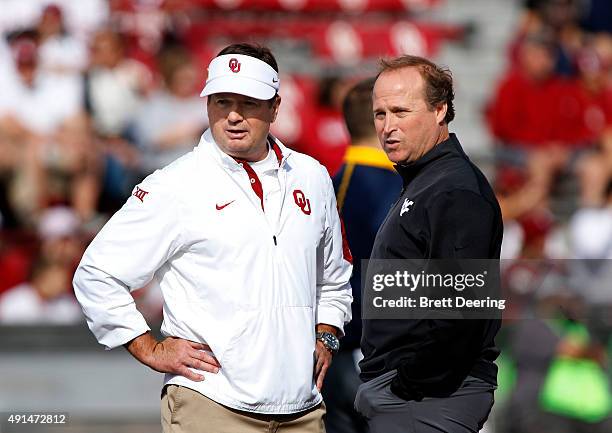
(346, 251)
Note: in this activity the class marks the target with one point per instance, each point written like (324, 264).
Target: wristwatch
(330, 341)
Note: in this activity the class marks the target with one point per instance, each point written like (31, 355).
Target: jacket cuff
(331, 316)
(119, 336)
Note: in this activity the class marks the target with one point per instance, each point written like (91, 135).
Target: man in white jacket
(244, 238)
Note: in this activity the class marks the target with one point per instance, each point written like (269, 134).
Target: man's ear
(275, 105)
(441, 112)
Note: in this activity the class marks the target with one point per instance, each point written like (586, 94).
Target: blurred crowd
(551, 118)
(95, 95)
(89, 106)
(80, 123)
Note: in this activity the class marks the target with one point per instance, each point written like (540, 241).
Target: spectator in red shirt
(588, 109)
(536, 113)
(525, 111)
(328, 138)
(587, 103)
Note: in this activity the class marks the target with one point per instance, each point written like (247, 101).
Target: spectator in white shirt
(60, 52)
(173, 118)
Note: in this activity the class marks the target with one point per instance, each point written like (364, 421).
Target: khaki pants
(184, 410)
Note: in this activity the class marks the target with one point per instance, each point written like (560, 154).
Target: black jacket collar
(448, 147)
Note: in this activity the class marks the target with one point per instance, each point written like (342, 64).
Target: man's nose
(389, 125)
(234, 116)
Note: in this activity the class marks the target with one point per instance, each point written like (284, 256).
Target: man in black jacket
(429, 375)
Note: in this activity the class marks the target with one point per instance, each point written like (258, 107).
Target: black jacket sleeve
(461, 225)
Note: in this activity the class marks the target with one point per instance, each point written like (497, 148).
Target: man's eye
(379, 115)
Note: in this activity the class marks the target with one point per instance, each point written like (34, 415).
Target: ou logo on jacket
(301, 200)
(234, 65)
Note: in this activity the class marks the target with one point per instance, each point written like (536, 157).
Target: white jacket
(251, 291)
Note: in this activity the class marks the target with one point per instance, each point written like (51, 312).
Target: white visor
(245, 75)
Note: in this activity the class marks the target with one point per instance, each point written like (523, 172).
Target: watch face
(331, 342)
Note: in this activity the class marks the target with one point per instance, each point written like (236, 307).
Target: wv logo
(406, 206)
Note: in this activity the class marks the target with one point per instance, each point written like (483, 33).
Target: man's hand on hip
(173, 355)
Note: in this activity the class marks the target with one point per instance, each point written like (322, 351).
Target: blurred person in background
(299, 111)
(591, 229)
(590, 233)
(40, 274)
(45, 298)
(524, 197)
(115, 88)
(561, 350)
(553, 390)
(560, 18)
(74, 167)
(172, 119)
(557, 125)
(35, 103)
(59, 52)
(589, 118)
(327, 139)
(525, 112)
(521, 192)
(79, 18)
(366, 188)
(34, 110)
(60, 232)
(115, 85)
(562, 385)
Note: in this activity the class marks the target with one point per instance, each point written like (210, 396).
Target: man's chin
(241, 145)
(395, 157)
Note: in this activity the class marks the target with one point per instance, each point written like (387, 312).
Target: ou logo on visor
(302, 202)
(234, 65)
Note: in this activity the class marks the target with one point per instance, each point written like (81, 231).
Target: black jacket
(453, 215)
